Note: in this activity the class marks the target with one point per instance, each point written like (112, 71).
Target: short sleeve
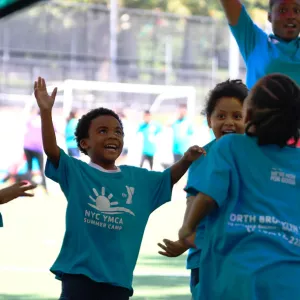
(1, 221)
(196, 171)
(160, 187)
(193, 176)
(60, 174)
(247, 34)
(216, 172)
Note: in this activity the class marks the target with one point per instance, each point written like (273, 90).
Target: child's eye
(102, 131)
(119, 132)
(282, 10)
(297, 10)
(221, 116)
(238, 117)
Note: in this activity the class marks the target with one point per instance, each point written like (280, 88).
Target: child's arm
(245, 32)
(189, 202)
(174, 249)
(45, 103)
(180, 168)
(16, 190)
(201, 206)
(232, 10)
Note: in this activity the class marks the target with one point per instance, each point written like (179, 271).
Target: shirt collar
(93, 165)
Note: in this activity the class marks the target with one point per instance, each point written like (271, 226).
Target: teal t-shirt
(106, 217)
(70, 134)
(182, 132)
(149, 132)
(1, 221)
(265, 54)
(252, 240)
(195, 174)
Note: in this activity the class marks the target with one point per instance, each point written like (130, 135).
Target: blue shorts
(80, 287)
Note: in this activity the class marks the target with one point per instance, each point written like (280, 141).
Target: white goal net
(161, 100)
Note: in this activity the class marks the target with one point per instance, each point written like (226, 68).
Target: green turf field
(31, 239)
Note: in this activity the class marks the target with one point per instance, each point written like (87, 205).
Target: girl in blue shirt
(266, 54)
(224, 115)
(250, 198)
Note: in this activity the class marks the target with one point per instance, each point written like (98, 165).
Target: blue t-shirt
(70, 134)
(252, 241)
(149, 132)
(1, 221)
(106, 216)
(194, 175)
(265, 54)
(182, 131)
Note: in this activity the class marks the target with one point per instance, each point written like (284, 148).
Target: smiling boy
(108, 205)
(266, 54)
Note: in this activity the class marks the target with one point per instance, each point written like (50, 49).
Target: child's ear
(248, 115)
(269, 17)
(208, 121)
(84, 144)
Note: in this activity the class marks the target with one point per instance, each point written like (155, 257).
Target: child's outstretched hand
(172, 249)
(16, 190)
(193, 153)
(43, 99)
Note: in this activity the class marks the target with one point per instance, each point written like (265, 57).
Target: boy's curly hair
(83, 126)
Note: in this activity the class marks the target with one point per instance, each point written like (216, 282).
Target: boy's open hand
(43, 99)
(193, 153)
(16, 190)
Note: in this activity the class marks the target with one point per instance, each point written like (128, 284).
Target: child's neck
(106, 166)
(285, 40)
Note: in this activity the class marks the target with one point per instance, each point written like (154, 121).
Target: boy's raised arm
(45, 103)
(232, 10)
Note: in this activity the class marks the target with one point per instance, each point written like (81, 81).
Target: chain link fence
(60, 41)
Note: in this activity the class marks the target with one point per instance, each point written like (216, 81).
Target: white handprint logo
(104, 205)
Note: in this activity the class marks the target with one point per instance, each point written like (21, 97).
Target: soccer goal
(112, 94)
(159, 94)
(159, 99)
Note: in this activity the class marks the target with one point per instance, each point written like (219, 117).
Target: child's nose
(113, 134)
(229, 121)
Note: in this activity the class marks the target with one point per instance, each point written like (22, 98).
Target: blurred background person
(33, 146)
(71, 125)
(149, 130)
(182, 133)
